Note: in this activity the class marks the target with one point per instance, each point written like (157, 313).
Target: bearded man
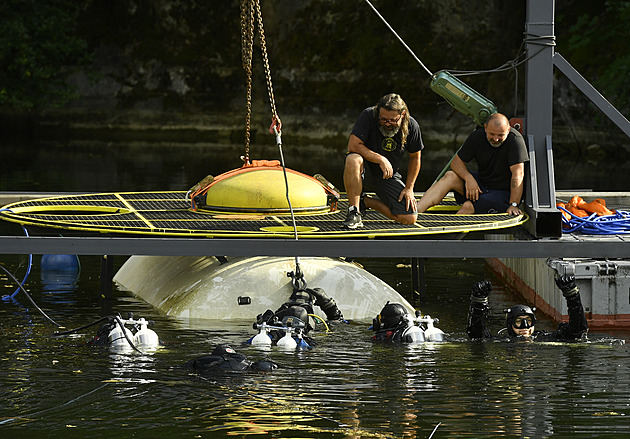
(377, 144)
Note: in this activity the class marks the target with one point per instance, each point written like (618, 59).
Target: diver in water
(224, 358)
(390, 324)
(520, 319)
(300, 305)
(395, 324)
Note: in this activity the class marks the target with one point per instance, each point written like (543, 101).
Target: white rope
(399, 39)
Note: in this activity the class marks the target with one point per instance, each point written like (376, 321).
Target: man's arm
(472, 187)
(413, 169)
(478, 311)
(357, 146)
(516, 187)
(577, 325)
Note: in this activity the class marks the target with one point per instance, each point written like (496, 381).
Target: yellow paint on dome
(264, 189)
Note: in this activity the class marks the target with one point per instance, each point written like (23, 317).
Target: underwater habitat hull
(241, 288)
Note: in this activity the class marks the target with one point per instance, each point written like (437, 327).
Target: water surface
(346, 386)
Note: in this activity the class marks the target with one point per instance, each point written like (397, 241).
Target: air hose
(28, 269)
(316, 317)
(21, 288)
(616, 224)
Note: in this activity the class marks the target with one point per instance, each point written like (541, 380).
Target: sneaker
(353, 219)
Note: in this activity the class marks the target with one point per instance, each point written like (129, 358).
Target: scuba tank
(118, 338)
(413, 333)
(287, 341)
(432, 333)
(416, 333)
(292, 327)
(262, 338)
(144, 336)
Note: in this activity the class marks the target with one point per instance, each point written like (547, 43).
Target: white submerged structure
(204, 288)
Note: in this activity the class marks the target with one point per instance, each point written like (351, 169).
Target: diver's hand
(481, 291)
(567, 285)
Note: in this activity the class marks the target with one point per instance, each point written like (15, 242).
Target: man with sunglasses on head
(376, 147)
(520, 319)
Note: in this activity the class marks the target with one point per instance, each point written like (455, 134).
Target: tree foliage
(332, 53)
(38, 48)
(594, 38)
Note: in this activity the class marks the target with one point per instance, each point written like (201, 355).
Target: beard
(388, 132)
(496, 144)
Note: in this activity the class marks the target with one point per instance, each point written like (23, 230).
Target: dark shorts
(490, 200)
(388, 191)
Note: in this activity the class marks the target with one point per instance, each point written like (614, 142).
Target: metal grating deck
(169, 214)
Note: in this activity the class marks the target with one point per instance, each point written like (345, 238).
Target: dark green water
(346, 387)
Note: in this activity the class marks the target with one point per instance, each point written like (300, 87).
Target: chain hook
(276, 126)
(297, 279)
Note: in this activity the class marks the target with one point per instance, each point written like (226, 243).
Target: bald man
(497, 185)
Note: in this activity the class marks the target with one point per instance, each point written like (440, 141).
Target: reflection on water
(93, 166)
(345, 387)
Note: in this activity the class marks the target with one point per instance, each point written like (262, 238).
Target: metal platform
(511, 242)
(169, 214)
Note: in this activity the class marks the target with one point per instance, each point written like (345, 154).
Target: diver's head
(223, 349)
(390, 317)
(289, 315)
(300, 297)
(520, 320)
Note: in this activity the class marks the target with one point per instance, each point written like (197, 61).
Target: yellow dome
(263, 190)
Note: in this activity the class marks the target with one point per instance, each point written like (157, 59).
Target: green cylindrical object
(463, 98)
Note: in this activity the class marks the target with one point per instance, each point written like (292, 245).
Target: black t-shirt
(366, 129)
(493, 164)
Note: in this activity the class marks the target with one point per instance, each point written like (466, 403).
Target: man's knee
(453, 180)
(467, 208)
(408, 219)
(450, 174)
(354, 159)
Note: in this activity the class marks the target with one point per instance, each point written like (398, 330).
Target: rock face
(324, 56)
(171, 70)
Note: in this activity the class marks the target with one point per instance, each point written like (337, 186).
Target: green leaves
(38, 48)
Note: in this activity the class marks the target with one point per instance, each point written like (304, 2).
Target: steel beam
(540, 198)
(569, 247)
(591, 93)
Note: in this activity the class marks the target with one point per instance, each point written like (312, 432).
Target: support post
(540, 197)
(418, 280)
(105, 289)
(592, 94)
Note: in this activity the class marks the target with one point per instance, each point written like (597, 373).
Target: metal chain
(263, 47)
(250, 11)
(247, 43)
